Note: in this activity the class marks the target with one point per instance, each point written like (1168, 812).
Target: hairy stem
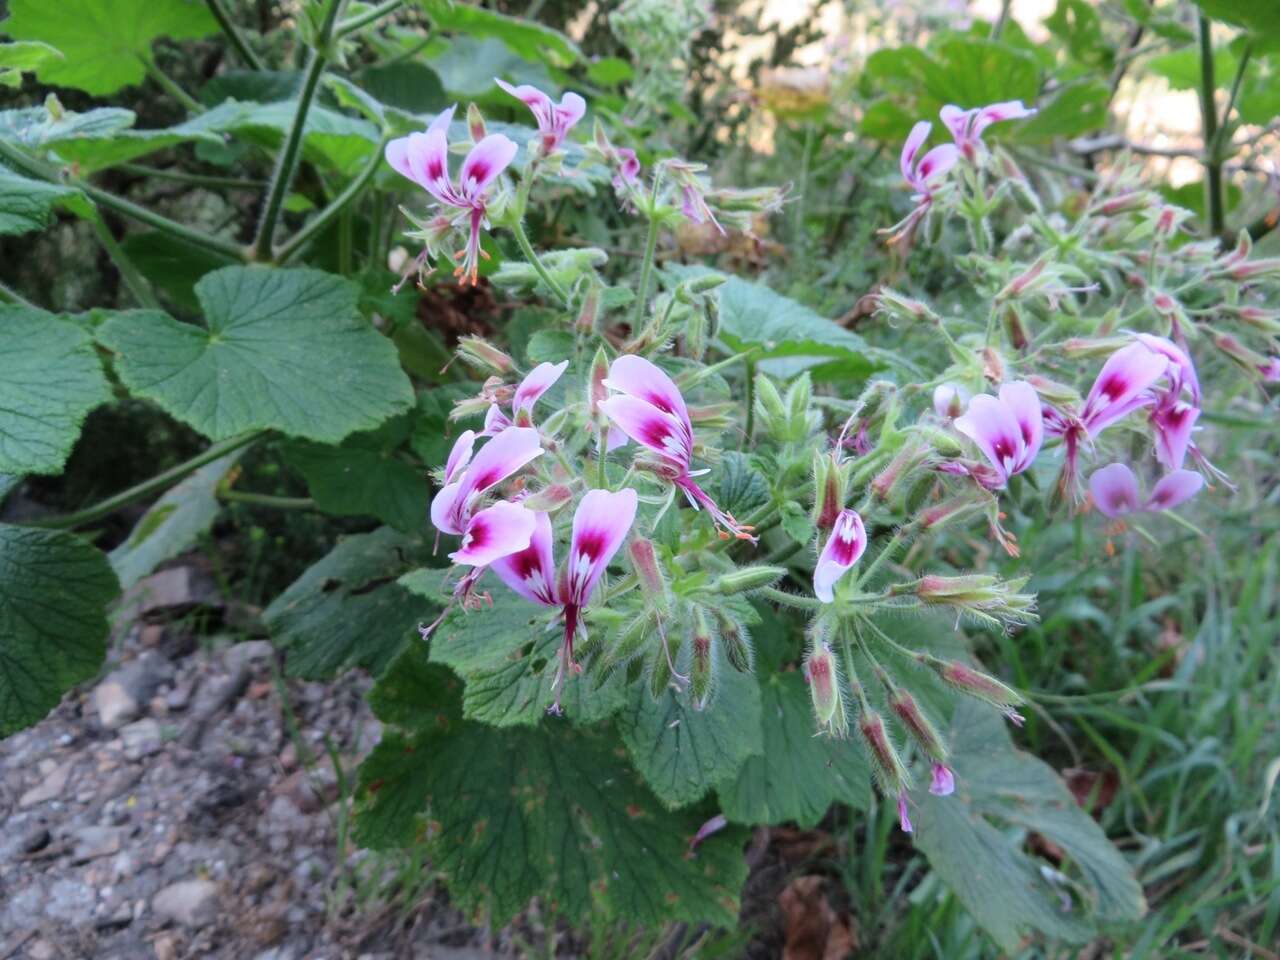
(137, 284)
(170, 87)
(352, 24)
(234, 36)
(531, 255)
(287, 160)
(337, 205)
(790, 599)
(1209, 127)
(146, 488)
(195, 179)
(266, 500)
(650, 250)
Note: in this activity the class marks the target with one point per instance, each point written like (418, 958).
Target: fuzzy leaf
(683, 752)
(551, 812)
(17, 58)
(49, 381)
(283, 349)
(104, 42)
(363, 477)
(27, 205)
(347, 610)
(172, 523)
(54, 588)
(797, 776)
(968, 841)
(332, 139)
(528, 38)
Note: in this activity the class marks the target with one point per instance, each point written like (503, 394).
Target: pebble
(141, 739)
(94, 842)
(50, 788)
(192, 903)
(37, 838)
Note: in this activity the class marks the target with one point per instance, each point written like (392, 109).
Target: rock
(141, 739)
(248, 653)
(94, 842)
(192, 903)
(165, 948)
(37, 838)
(70, 901)
(50, 788)
(117, 919)
(115, 705)
(168, 593)
(120, 696)
(41, 949)
(179, 698)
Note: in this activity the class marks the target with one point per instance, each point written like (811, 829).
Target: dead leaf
(814, 930)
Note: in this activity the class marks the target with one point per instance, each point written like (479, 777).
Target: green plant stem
(650, 251)
(45, 171)
(1225, 124)
(137, 284)
(1209, 127)
(287, 160)
(195, 179)
(337, 205)
(750, 427)
(237, 40)
(789, 599)
(267, 500)
(146, 488)
(352, 24)
(13, 296)
(170, 87)
(531, 255)
(883, 556)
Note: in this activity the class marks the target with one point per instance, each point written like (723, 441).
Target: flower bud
(644, 560)
(769, 407)
(891, 773)
(484, 356)
(702, 667)
(973, 682)
(1245, 356)
(695, 335)
(920, 727)
(942, 781)
(824, 690)
(798, 399)
(736, 640)
(475, 122)
(887, 480)
(829, 490)
(992, 365)
(589, 311)
(1255, 269)
(897, 306)
(986, 597)
(746, 579)
(943, 513)
(597, 392)
(950, 400)
(1055, 393)
(1268, 321)
(1014, 329)
(1126, 203)
(631, 639)
(549, 499)
(1023, 281)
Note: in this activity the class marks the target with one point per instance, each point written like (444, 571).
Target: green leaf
(968, 841)
(172, 523)
(363, 477)
(527, 38)
(468, 67)
(1259, 17)
(408, 85)
(54, 589)
(796, 523)
(791, 336)
(93, 140)
(1182, 68)
(347, 610)
(49, 381)
(17, 58)
(283, 349)
(683, 752)
(433, 433)
(172, 265)
(549, 346)
(798, 775)
(551, 812)
(609, 71)
(972, 72)
(743, 488)
(414, 692)
(508, 657)
(1079, 26)
(1075, 110)
(27, 205)
(105, 43)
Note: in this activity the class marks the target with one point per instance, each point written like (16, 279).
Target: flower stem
(1209, 129)
(287, 160)
(266, 500)
(196, 179)
(167, 84)
(337, 205)
(237, 40)
(352, 24)
(137, 284)
(650, 250)
(531, 255)
(889, 550)
(144, 489)
(790, 599)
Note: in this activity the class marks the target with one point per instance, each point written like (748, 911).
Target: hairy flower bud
(950, 400)
(475, 122)
(738, 648)
(1126, 203)
(824, 690)
(589, 310)
(975, 683)
(746, 579)
(484, 356)
(829, 490)
(943, 513)
(891, 773)
(920, 727)
(597, 392)
(548, 499)
(702, 666)
(629, 640)
(987, 597)
(653, 583)
(1014, 328)
(1268, 321)
(770, 409)
(898, 306)
(888, 479)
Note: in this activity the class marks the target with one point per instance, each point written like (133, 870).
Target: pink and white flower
(967, 126)
(842, 550)
(921, 174)
(950, 400)
(424, 159)
(1116, 494)
(1008, 429)
(647, 407)
(942, 781)
(555, 120)
(904, 814)
(538, 381)
(600, 525)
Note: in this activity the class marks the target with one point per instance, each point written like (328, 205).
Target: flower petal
(484, 163)
(1173, 424)
(444, 509)
(1185, 375)
(639, 378)
(999, 112)
(1023, 401)
(904, 816)
(569, 111)
(531, 572)
(957, 121)
(650, 427)
(1174, 488)
(495, 532)
(1126, 374)
(540, 379)
(937, 162)
(531, 97)
(442, 120)
(498, 459)
(843, 548)
(460, 455)
(942, 780)
(495, 421)
(911, 149)
(600, 524)
(1115, 490)
(993, 427)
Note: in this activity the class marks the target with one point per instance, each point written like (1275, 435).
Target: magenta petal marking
(1120, 384)
(937, 162)
(1185, 373)
(498, 459)
(842, 550)
(495, 532)
(531, 572)
(911, 149)
(540, 379)
(943, 781)
(992, 425)
(484, 163)
(904, 816)
(600, 524)
(495, 421)
(1115, 490)
(445, 509)
(1024, 403)
(639, 378)
(957, 121)
(650, 427)
(1173, 425)
(1174, 488)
